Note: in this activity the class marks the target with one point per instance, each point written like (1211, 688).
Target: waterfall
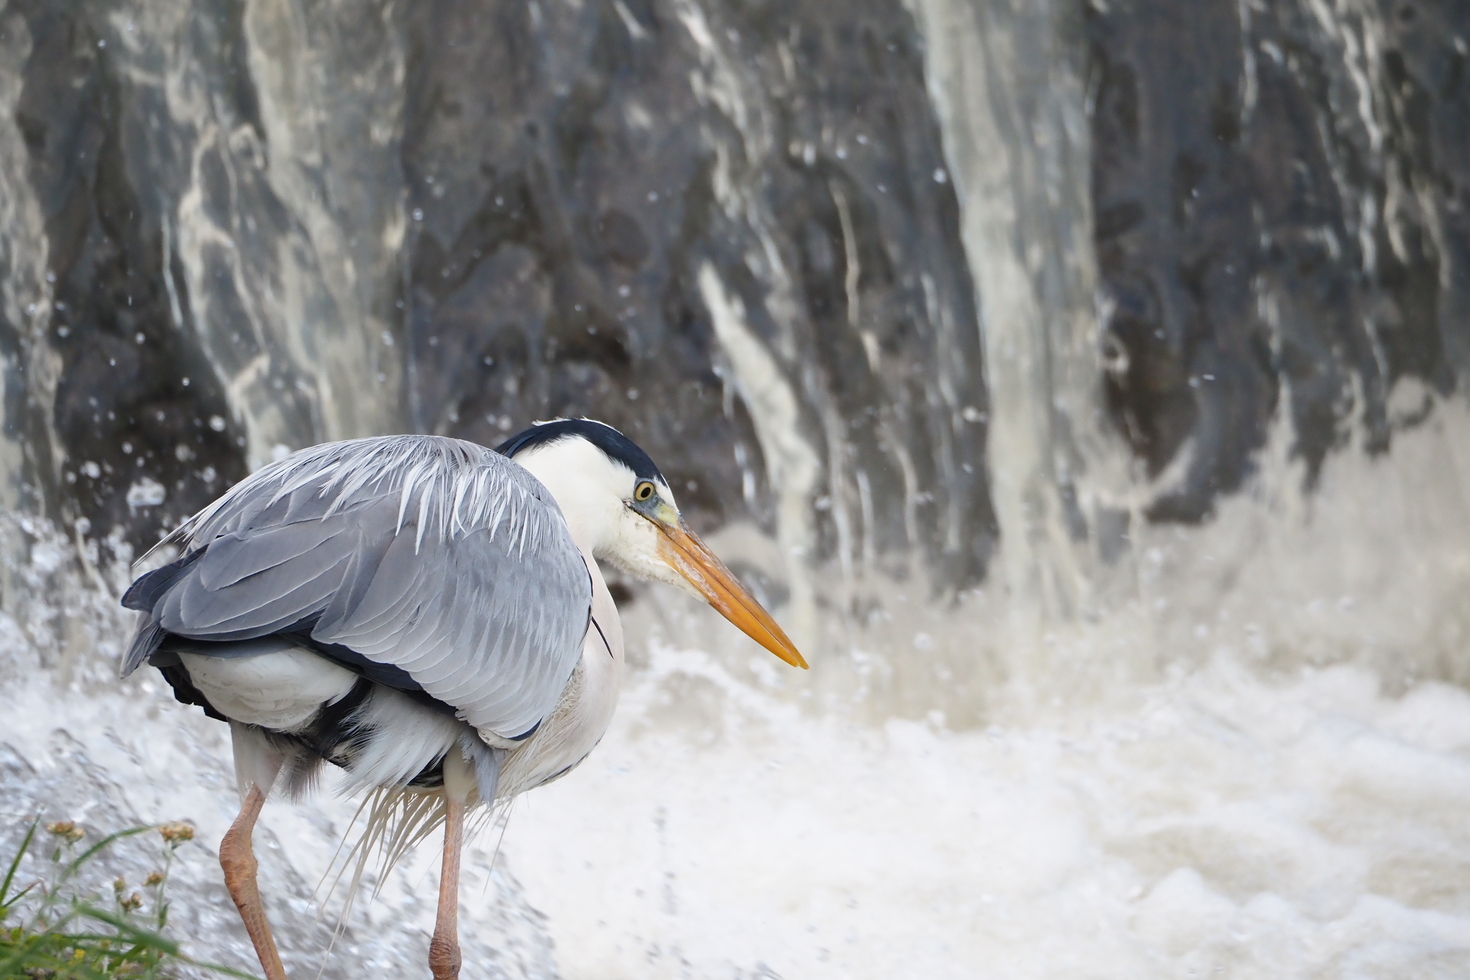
(1007, 83)
(1081, 383)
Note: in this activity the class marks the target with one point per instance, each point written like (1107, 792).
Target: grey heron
(426, 614)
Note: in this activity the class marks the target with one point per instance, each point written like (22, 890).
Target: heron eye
(643, 491)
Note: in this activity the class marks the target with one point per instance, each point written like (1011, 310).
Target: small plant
(50, 930)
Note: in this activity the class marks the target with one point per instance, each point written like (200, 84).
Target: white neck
(578, 476)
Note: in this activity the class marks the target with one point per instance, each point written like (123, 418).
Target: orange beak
(692, 559)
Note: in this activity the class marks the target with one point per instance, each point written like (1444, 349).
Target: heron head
(620, 508)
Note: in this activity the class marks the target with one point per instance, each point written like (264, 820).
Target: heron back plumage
(427, 564)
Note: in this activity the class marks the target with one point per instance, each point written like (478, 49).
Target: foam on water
(1247, 757)
(1216, 822)
(1247, 763)
(76, 744)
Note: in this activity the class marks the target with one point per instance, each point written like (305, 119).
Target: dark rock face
(567, 189)
(134, 395)
(1282, 224)
(230, 230)
(565, 203)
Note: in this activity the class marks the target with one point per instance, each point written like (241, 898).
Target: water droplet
(147, 492)
(418, 214)
(138, 337)
(217, 423)
(940, 177)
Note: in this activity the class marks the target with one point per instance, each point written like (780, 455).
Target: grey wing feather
(431, 555)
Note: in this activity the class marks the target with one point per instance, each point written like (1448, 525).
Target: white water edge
(114, 761)
(1216, 825)
(1251, 766)
(1255, 762)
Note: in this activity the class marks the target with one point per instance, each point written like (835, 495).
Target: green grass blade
(5, 906)
(131, 933)
(25, 845)
(70, 938)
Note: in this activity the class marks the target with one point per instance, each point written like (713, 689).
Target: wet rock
(464, 217)
(730, 229)
(1281, 225)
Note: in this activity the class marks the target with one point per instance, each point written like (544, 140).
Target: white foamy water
(1249, 765)
(1248, 757)
(1213, 825)
(76, 744)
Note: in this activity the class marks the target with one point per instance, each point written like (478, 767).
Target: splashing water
(1251, 761)
(75, 744)
(1252, 767)
(1137, 749)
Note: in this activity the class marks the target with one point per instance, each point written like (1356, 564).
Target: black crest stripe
(613, 443)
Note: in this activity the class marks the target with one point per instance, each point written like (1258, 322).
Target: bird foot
(444, 958)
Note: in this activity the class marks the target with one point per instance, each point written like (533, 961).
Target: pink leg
(238, 861)
(444, 958)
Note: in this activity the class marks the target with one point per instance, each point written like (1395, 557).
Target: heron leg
(444, 958)
(238, 861)
(459, 783)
